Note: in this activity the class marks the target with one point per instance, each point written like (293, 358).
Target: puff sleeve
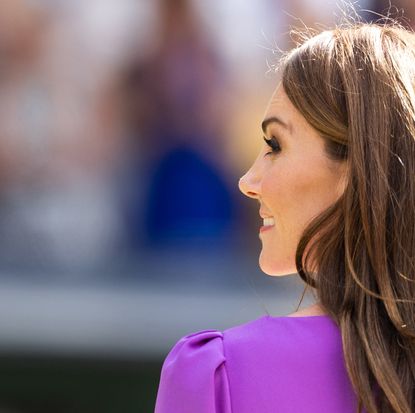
(194, 377)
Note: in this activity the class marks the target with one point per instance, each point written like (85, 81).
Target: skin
(292, 185)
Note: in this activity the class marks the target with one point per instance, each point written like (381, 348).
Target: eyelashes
(273, 144)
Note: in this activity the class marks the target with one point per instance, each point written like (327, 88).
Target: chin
(276, 269)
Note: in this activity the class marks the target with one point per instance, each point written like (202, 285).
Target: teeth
(269, 221)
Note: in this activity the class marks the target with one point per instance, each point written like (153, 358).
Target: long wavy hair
(355, 85)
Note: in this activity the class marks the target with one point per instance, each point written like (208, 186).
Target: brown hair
(355, 85)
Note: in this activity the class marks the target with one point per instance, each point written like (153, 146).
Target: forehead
(280, 106)
(278, 96)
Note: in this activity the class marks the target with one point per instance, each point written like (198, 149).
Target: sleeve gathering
(193, 376)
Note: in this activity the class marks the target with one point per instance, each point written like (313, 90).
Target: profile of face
(293, 179)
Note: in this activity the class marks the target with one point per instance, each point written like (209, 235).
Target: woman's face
(293, 183)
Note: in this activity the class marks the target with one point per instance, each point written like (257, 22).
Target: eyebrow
(274, 119)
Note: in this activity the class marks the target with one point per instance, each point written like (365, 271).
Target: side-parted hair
(355, 85)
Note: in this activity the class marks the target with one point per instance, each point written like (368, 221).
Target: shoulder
(194, 373)
(201, 365)
(212, 346)
(206, 345)
(193, 376)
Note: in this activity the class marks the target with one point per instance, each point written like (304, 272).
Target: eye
(273, 144)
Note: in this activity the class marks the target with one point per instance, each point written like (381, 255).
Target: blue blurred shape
(188, 200)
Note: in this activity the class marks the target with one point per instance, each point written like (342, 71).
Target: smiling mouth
(268, 222)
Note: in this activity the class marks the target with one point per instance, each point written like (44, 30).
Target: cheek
(282, 186)
(295, 194)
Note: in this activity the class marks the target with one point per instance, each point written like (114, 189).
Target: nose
(249, 185)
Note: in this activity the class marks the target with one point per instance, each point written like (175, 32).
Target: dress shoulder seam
(226, 370)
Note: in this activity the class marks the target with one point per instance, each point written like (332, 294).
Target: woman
(335, 180)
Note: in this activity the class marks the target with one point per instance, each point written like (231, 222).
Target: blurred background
(125, 126)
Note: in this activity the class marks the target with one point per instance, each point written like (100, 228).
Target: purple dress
(268, 365)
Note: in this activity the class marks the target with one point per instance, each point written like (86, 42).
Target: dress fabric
(268, 365)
